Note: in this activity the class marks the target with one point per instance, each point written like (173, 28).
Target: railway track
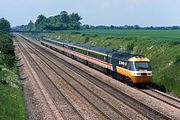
(54, 114)
(175, 102)
(59, 99)
(131, 102)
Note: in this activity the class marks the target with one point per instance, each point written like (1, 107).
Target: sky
(96, 12)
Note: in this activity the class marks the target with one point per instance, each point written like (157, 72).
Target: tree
(30, 26)
(74, 17)
(40, 18)
(112, 27)
(75, 21)
(40, 23)
(137, 27)
(6, 44)
(64, 17)
(63, 21)
(174, 27)
(4, 25)
(85, 26)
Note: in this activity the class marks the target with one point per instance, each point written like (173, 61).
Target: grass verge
(11, 96)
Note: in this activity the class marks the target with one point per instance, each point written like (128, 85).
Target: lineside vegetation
(11, 100)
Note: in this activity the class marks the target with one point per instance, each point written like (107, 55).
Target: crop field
(161, 46)
(154, 34)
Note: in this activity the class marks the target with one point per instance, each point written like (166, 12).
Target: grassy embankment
(11, 99)
(161, 46)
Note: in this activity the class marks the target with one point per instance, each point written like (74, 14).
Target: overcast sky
(96, 12)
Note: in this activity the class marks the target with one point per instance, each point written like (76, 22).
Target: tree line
(129, 27)
(63, 21)
(7, 56)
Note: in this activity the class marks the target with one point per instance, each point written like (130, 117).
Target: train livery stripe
(97, 61)
(85, 57)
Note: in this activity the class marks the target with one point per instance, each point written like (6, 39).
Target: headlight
(137, 74)
(149, 74)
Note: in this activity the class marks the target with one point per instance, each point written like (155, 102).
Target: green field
(161, 46)
(154, 34)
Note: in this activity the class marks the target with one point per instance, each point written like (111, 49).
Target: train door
(109, 67)
(114, 62)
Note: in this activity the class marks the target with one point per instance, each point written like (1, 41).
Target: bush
(175, 43)
(86, 39)
(7, 60)
(90, 35)
(75, 33)
(130, 47)
(177, 59)
(2, 81)
(94, 35)
(6, 44)
(83, 34)
(7, 55)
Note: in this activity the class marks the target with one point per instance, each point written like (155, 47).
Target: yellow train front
(135, 67)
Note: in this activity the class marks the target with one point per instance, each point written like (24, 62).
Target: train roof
(125, 56)
(81, 45)
(101, 50)
(54, 40)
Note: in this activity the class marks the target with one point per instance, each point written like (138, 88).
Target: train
(132, 68)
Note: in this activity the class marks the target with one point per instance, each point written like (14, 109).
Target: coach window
(109, 59)
(80, 51)
(84, 52)
(102, 57)
(89, 53)
(75, 49)
(69, 47)
(98, 56)
(94, 55)
(59, 44)
(105, 58)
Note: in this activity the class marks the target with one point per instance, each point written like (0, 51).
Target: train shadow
(151, 85)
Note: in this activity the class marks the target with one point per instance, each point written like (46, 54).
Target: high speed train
(133, 68)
